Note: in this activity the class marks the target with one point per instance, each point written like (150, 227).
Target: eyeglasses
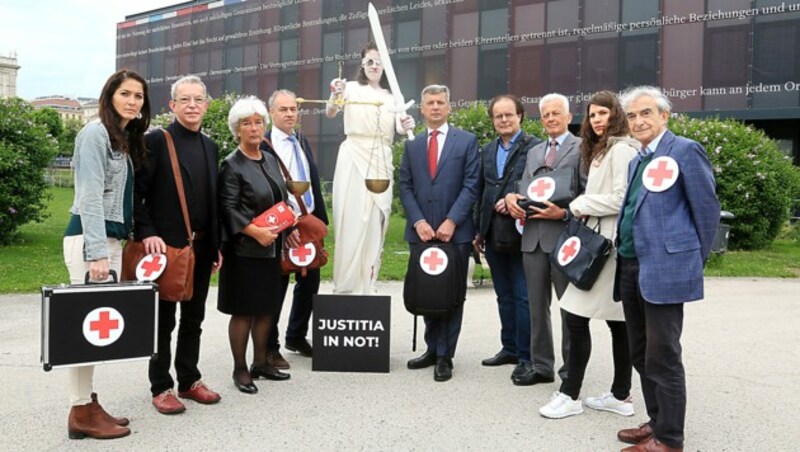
(503, 116)
(367, 62)
(188, 100)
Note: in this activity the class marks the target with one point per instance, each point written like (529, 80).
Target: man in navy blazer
(438, 189)
(664, 234)
(296, 156)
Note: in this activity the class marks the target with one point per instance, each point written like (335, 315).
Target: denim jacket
(100, 174)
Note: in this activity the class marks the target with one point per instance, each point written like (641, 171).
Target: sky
(65, 47)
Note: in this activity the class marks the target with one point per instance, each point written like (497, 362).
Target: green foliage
(50, 119)
(66, 141)
(26, 149)
(755, 180)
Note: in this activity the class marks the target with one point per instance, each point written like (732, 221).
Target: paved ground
(740, 350)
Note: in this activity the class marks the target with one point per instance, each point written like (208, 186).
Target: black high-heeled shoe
(247, 388)
(269, 372)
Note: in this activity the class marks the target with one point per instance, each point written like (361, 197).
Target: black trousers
(581, 349)
(654, 333)
(302, 303)
(441, 334)
(187, 350)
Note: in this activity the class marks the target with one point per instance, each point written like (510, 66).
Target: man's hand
(154, 244)
(478, 244)
(500, 206)
(446, 230)
(217, 266)
(551, 212)
(513, 208)
(424, 231)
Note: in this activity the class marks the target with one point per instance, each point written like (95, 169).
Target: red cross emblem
(103, 326)
(272, 219)
(433, 261)
(541, 189)
(569, 251)
(660, 174)
(520, 224)
(302, 256)
(151, 267)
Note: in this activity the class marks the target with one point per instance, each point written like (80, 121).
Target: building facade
(8, 75)
(83, 109)
(727, 58)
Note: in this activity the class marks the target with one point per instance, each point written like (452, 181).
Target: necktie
(433, 153)
(550, 158)
(301, 170)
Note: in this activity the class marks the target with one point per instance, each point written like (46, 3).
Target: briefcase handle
(111, 273)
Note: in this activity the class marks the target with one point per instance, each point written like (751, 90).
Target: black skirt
(248, 286)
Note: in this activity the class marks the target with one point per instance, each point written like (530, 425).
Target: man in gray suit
(542, 228)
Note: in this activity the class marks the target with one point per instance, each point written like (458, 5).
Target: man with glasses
(502, 162)
(158, 222)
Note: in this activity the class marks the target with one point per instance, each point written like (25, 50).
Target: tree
(49, 118)
(66, 141)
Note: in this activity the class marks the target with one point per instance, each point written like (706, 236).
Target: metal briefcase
(88, 324)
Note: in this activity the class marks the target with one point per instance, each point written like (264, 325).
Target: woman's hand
(293, 239)
(337, 86)
(265, 236)
(98, 270)
(405, 123)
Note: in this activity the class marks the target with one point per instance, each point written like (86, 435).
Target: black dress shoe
(501, 358)
(269, 372)
(247, 388)
(522, 369)
(531, 378)
(444, 369)
(300, 346)
(426, 360)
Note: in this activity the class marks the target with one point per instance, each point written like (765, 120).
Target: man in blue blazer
(438, 189)
(295, 153)
(664, 234)
(502, 163)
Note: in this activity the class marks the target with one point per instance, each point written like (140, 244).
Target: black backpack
(432, 286)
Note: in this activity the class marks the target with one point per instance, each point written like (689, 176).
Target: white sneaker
(607, 402)
(561, 406)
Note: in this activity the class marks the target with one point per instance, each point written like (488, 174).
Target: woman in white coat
(361, 217)
(606, 151)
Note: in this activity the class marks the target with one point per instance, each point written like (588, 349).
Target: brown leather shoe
(90, 420)
(167, 403)
(651, 444)
(200, 393)
(635, 435)
(277, 360)
(122, 421)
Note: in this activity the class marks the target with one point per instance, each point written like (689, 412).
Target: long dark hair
(133, 143)
(592, 145)
(362, 76)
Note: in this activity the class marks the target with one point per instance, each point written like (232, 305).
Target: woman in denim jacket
(106, 151)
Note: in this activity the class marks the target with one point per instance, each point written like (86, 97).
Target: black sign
(87, 324)
(351, 333)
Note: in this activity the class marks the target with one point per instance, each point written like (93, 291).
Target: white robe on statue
(361, 217)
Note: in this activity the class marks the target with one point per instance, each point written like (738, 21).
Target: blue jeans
(508, 277)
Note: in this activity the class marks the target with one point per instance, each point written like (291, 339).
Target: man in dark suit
(297, 158)
(502, 163)
(438, 188)
(562, 150)
(664, 234)
(158, 222)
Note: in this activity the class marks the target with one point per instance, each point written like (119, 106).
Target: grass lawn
(36, 258)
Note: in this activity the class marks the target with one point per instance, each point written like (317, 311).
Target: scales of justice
(377, 178)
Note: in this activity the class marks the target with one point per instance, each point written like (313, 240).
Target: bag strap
(287, 176)
(176, 171)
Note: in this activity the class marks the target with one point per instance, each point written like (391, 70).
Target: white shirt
(285, 150)
(439, 138)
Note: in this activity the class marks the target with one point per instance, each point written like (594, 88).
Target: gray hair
(243, 108)
(554, 96)
(435, 89)
(633, 93)
(189, 79)
(278, 92)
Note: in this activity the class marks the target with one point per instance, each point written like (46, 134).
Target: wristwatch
(567, 215)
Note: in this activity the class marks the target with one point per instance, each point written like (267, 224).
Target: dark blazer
(544, 233)
(450, 194)
(490, 188)
(673, 230)
(243, 195)
(316, 190)
(156, 205)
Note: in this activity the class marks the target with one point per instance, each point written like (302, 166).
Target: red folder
(280, 217)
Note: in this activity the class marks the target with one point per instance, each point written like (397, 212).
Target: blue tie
(302, 170)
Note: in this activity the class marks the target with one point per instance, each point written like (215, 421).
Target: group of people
(639, 184)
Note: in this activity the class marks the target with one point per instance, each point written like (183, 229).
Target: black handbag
(559, 186)
(580, 253)
(504, 237)
(433, 285)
